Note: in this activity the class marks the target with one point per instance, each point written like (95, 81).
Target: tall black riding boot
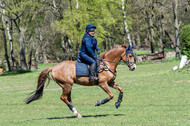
(92, 73)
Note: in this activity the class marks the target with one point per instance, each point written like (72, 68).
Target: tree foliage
(106, 15)
(185, 38)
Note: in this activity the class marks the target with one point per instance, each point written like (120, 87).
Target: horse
(64, 74)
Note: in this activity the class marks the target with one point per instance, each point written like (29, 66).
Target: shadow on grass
(86, 116)
(15, 72)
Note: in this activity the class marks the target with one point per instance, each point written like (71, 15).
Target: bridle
(128, 63)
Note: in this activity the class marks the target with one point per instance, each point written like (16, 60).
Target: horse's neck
(114, 56)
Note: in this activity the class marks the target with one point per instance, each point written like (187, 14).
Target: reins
(107, 68)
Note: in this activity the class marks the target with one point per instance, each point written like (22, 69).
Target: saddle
(82, 69)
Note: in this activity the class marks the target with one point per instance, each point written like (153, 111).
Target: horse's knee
(63, 98)
(121, 91)
(111, 97)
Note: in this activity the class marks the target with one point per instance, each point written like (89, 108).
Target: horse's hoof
(117, 104)
(97, 103)
(79, 115)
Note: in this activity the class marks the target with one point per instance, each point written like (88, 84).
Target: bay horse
(64, 74)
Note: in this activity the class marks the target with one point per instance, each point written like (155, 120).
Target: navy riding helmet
(90, 27)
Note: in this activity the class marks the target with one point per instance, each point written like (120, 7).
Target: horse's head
(129, 57)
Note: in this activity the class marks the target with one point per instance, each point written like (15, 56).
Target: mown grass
(154, 95)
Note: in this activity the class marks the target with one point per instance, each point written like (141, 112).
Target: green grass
(154, 95)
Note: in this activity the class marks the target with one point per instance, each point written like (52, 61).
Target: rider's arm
(97, 49)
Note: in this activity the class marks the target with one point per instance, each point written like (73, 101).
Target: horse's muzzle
(132, 67)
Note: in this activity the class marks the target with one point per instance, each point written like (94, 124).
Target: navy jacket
(89, 45)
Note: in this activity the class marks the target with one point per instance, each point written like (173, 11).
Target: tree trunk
(5, 44)
(138, 40)
(31, 46)
(160, 35)
(30, 60)
(22, 49)
(133, 39)
(14, 61)
(150, 15)
(77, 4)
(160, 43)
(160, 30)
(170, 36)
(36, 59)
(42, 45)
(125, 22)
(175, 9)
(71, 50)
(146, 41)
(152, 42)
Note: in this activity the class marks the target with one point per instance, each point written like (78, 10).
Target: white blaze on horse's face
(130, 61)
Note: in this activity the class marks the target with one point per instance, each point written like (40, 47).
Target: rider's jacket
(89, 45)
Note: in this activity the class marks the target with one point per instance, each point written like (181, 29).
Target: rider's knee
(94, 62)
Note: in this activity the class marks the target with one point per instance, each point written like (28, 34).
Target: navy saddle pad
(81, 69)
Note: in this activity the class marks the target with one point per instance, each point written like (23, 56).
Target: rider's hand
(95, 57)
(98, 52)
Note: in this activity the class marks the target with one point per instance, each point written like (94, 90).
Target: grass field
(154, 95)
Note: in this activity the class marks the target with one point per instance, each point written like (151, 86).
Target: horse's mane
(115, 47)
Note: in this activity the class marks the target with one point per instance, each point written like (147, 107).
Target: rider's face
(91, 33)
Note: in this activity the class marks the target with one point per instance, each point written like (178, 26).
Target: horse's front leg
(105, 87)
(115, 86)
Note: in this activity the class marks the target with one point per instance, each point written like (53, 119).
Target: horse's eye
(130, 56)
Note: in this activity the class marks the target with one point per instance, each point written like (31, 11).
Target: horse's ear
(128, 48)
(124, 45)
(133, 46)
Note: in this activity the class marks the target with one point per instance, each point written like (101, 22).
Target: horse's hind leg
(66, 97)
(105, 87)
(115, 86)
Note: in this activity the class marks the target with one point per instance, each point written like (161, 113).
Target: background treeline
(45, 31)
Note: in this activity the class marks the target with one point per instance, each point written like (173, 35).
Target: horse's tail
(37, 94)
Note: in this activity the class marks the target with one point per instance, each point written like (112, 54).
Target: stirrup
(94, 78)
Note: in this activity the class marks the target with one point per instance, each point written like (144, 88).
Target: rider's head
(90, 28)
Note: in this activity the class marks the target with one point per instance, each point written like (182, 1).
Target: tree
(176, 25)
(185, 38)
(4, 37)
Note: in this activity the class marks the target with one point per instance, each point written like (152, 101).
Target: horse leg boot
(120, 97)
(92, 73)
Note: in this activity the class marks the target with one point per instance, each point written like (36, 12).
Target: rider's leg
(92, 72)
(93, 66)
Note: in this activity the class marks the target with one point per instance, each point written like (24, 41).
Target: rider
(87, 51)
